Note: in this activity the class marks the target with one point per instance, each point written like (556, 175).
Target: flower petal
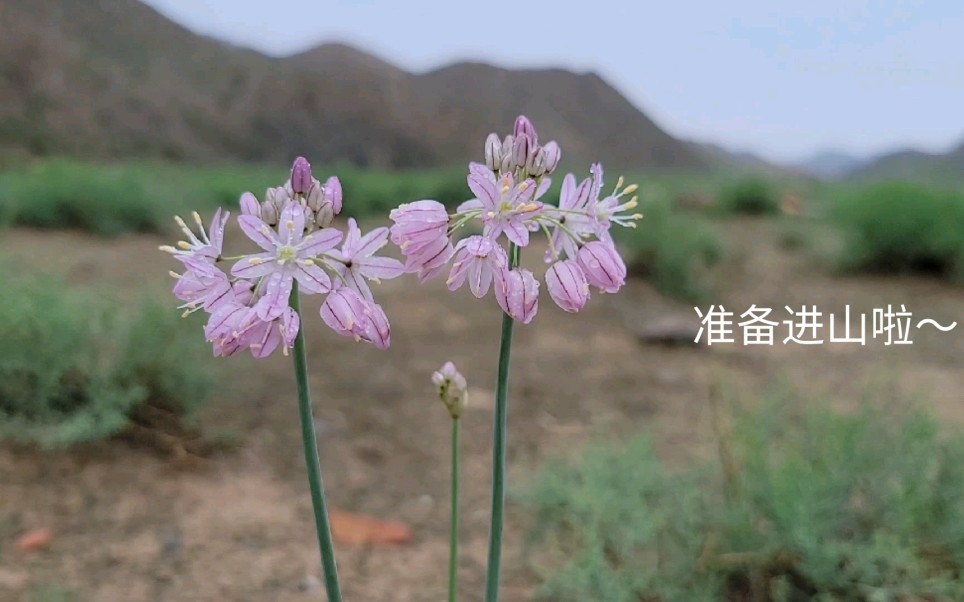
(277, 288)
(318, 242)
(372, 242)
(312, 278)
(259, 232)
(255, 266)
(485, 190)
(381, 268)
(291, 224)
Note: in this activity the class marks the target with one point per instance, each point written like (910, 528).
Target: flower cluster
(249, 309)
(452, 389)
(508, 190)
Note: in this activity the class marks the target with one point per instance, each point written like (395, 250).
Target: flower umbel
(249, 304)
(509, 187)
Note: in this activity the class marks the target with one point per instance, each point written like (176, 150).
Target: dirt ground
(132, 524)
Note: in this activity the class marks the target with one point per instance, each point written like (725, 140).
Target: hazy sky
(782, 78)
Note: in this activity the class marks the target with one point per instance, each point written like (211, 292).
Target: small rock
(669, 330)
(309, 584)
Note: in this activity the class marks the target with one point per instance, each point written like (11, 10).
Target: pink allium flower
(479, 260)
(508, 188)
(517, 293)
(249, 309)
(567, 285)
(572, 220)
(203, 246)
(288, 255)
(603, 266)
(421, 232)
(357, 261)
(349, 314)
(202, 286)
(506, 206)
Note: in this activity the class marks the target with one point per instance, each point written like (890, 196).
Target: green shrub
(142, 197)
(61, 194)
(677, 251)
(76, 368)
(749, 196)
(903, 227)
(822, 506)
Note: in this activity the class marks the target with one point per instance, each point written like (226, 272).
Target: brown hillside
(114, 78)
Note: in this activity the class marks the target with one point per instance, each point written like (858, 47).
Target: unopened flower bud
(508, 152)
(493, 152)
(315, 196)
(300, 176)
(333, 193)
(274, 200)
(452, 389)
(536, 166)
(551, 155)
(250, 205)
(525, 129)
(324, 215)
(521, 150)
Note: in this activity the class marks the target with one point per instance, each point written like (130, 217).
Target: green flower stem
(312, 463)
(454, 521)
(499, 428)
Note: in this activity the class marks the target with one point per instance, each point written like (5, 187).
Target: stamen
(631, 189)
(619, 183)
(183, 245)
(168, 249)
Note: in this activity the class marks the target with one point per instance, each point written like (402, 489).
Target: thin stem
(312, 463)
(454, 521)
(500, 425)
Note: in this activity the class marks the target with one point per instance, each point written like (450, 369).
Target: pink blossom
(358, 262)
(202, 286)
(421, 232)
(506, 206)
(603, 266)
(288, 255)
(349, 314)
(479, 260)
(202, 246)
(517, 293)
(567, 285)
(573, 222)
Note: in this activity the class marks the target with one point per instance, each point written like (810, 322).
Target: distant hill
(724, 159)
(114, 78)
(909, 164)
(830, 164)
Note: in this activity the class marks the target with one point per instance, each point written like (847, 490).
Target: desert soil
(130, 522)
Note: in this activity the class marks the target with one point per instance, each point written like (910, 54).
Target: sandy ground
(132, 524)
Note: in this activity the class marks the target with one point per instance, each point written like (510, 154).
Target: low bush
(62, 194)
(820, 506)
(749, 196)
(675, 250)
(903, 227)
(141, 197)
(76, 368)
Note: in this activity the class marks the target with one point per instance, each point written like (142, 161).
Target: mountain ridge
(109, 78)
